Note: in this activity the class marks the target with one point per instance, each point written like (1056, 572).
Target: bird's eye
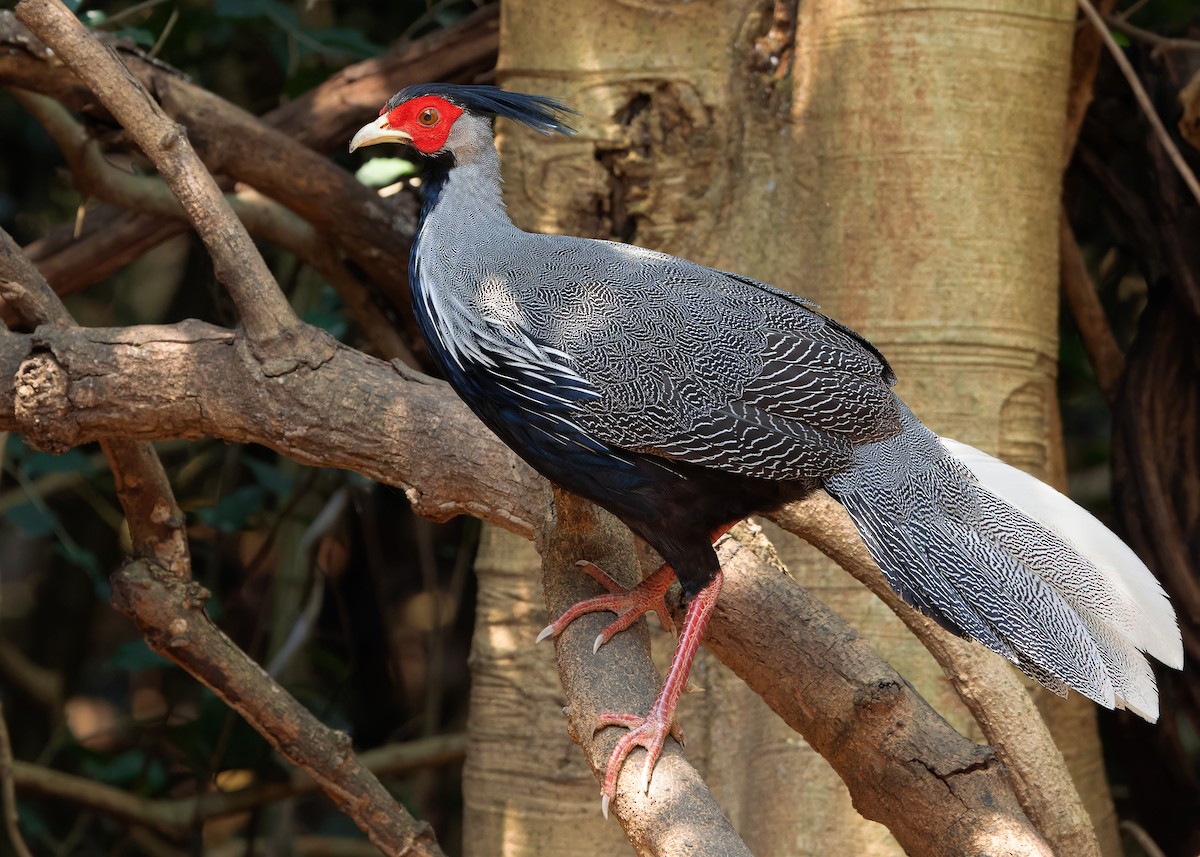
(428, 117)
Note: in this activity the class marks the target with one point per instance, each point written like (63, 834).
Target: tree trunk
(899, 166)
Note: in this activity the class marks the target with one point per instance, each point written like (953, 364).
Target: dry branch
(763, 630)
(264, 311)
(679, 815)
(170, 613)
(988, 686)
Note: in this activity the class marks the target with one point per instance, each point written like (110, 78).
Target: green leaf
(135, 656)
(270, 476)
(73, 460)
(380, 172)
(1120, 38)
(34, 521)
(234, 509)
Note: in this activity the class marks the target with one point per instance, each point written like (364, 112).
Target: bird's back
(655, 355)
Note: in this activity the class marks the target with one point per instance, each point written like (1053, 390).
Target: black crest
(537, 111)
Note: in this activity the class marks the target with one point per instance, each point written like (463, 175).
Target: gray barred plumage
(624, 373)
(684, 361)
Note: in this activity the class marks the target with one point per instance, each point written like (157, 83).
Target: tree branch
(265, 313)
(1080, 292)
(946, 795)
(679, 814)
(170, 613)
(176, 815)
(96, 177)
(8, 795)
(1143, 99)
(988, 686)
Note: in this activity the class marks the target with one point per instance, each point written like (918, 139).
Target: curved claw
(628, 604)
(649, 733)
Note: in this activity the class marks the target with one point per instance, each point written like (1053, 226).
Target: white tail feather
(1134, 605)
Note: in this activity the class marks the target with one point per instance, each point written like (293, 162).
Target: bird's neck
(463, 199)
(463, 223)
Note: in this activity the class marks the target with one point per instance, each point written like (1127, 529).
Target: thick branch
(987, 685)
(236, 262)
(155, 522)
(679, 814)
(341, 409)
(944, 794)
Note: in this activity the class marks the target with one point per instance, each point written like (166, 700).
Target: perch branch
(765, 627)
(621, 677)
(987, 685)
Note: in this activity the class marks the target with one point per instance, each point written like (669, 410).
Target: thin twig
(1142, 97)
(1108, 362)
(9, 794)
(174, 815)
(1161, 43)
(1144, 840)
(1126, 14)
(166, 32)
(265, 313)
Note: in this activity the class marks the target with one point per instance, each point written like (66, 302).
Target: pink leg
(628, 604)
(651, 731)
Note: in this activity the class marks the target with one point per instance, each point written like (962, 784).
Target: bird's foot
(628, 604)
(649, 732)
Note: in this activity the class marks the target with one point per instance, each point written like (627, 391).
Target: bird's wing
(702, 366)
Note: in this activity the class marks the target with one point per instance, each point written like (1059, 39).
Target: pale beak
(378, 132)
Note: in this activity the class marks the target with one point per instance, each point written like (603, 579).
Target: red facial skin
(412, 118)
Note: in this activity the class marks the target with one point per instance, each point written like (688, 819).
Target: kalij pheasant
(683, 398)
